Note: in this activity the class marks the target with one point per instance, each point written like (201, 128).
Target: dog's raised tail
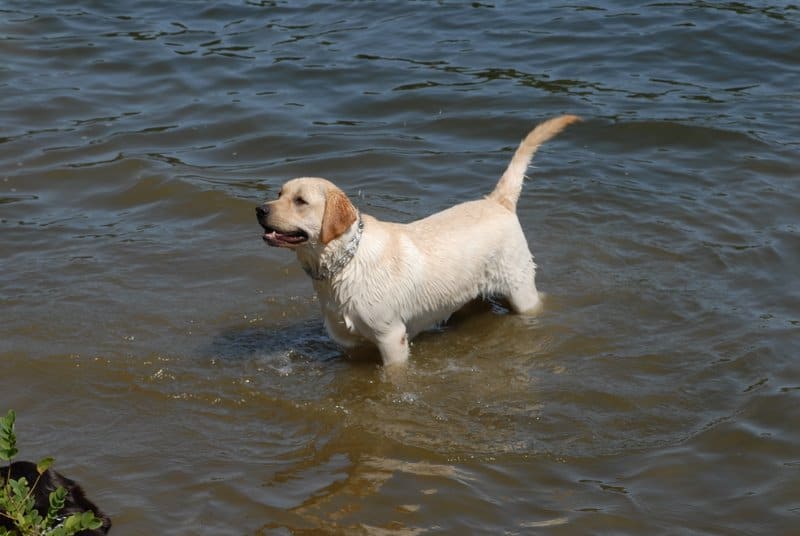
(510, 184)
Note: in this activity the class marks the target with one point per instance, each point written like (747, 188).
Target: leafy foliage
(8, 441)
(17, 499)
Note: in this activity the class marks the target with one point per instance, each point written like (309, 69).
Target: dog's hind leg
(521, 290)
(524, 300)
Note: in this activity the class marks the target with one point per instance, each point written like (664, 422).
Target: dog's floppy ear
(339, 215)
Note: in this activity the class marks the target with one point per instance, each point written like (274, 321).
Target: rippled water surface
(179, 369)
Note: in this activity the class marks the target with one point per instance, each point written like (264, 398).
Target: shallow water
(179, 370)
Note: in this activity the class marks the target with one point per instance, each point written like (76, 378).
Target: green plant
(17, 497)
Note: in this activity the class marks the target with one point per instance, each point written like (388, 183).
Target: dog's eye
(300, 201)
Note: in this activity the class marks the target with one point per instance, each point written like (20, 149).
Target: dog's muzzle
(276, 237)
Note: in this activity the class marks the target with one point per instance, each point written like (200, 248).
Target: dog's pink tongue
(271, 238)
(275, 238)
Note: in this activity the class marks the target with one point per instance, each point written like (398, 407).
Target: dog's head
(307, 211)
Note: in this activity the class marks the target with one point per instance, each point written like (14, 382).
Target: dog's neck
(334, 259)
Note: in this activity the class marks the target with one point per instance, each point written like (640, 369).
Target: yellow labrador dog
(382, 283)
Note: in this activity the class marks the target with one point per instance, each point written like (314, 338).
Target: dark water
(178, 368)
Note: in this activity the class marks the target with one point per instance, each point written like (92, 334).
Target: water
(179, 370)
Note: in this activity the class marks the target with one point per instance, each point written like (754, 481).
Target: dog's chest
(341, 321)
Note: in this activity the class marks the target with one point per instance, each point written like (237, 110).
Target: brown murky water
(179, 370)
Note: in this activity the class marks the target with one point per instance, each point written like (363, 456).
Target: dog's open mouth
(289, 239)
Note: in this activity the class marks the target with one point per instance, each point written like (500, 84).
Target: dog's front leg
(393, 345)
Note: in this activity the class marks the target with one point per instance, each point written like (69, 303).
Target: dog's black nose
(262, 211)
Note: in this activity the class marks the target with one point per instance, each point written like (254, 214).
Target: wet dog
(49, 481)
(381, 282)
